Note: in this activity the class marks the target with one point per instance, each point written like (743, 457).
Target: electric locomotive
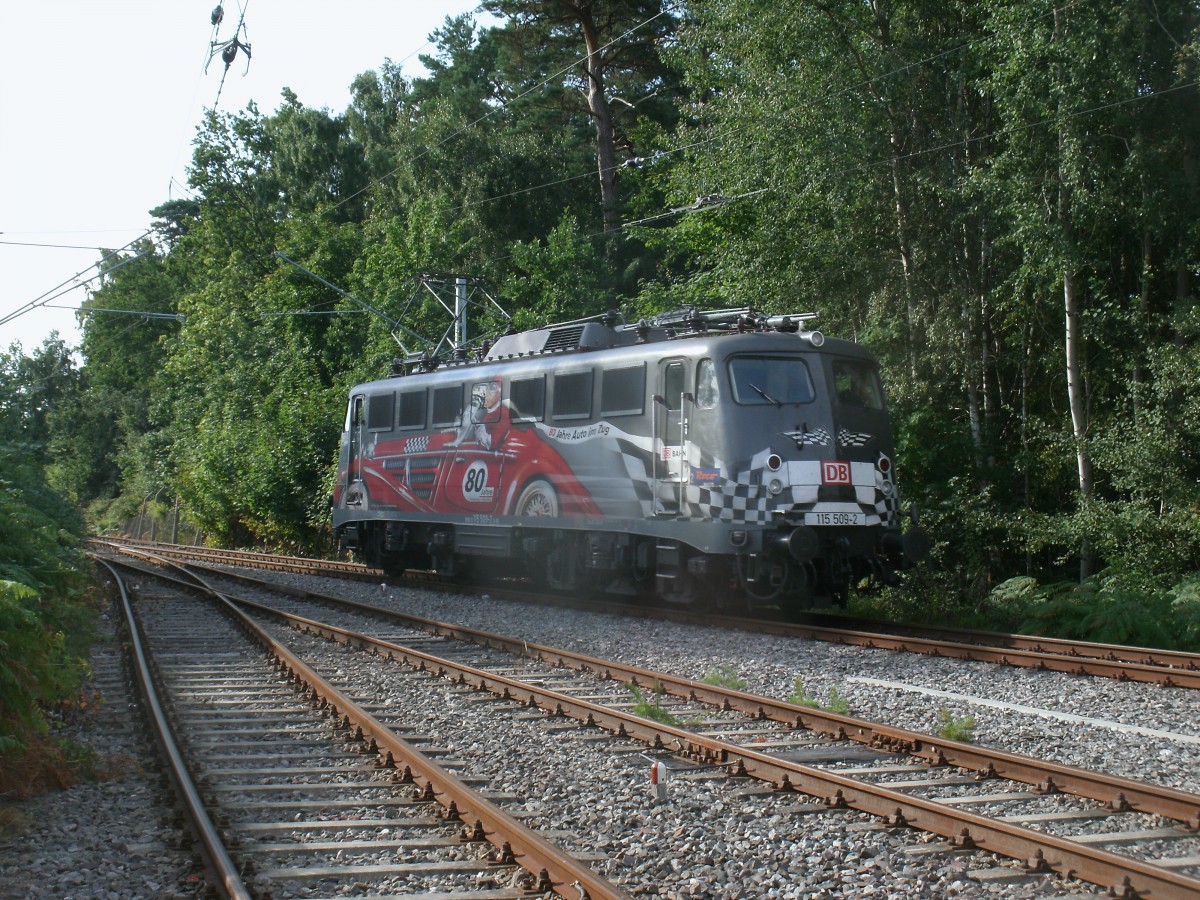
(721, 459)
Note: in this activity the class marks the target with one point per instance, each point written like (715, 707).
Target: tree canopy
(996, 197)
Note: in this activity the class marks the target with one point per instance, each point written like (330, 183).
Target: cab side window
(381, 409)
(707, 392)
(857, 384)
(354, 414)
(673, 385)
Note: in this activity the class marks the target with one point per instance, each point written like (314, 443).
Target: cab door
(356, 424)
(670, 436)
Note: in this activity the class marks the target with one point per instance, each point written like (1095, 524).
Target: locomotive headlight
(775, 486)
(888, 488)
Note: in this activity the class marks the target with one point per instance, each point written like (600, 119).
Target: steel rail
(515, 843)
(1143, 665)
(1167, 676)
(216, 856)
(1120, 794)
(247, 558)
(1117, 793)
(1176, 669)
(1147, 656)
(1039, 851)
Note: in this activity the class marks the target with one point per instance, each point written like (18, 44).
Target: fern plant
(1107, 612)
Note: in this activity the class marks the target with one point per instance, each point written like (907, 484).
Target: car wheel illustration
(537, 499)
(356, 496)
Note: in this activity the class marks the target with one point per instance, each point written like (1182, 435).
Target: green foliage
(955, 728)
(31, 387)
(648, 708)
(835, 703)
(800, 695)
(555, 281)
(43, 623)
(25, 648)
(1151, 546)
(1106, 610)
(725, 676)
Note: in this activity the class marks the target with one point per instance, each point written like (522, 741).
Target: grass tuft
(955, 728)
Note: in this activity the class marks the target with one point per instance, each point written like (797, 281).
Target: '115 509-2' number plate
(833, 518)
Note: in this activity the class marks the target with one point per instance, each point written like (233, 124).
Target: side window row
(622, 393)
(754, 380)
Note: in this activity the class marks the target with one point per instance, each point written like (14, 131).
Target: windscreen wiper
(765, 395)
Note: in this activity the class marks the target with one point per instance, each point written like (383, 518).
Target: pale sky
(100, 100)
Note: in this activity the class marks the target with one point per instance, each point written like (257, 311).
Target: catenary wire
(44, 298)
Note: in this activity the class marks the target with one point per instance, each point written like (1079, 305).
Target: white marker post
(658, 780)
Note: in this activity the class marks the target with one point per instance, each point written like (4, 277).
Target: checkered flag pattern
(818, 438)
(852, 438)
(733, 501)
(739, 499)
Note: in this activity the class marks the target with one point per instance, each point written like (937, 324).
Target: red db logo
(835, 472)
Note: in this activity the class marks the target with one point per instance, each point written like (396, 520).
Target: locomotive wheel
(537, 499)
(562, 568)
(772, 581)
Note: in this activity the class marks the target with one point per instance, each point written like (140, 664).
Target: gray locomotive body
(724, 460)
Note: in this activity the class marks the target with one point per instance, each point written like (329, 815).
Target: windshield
(775, 380)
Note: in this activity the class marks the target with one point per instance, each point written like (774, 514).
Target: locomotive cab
(803, 452)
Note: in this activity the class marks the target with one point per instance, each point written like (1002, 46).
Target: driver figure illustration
(486, 421)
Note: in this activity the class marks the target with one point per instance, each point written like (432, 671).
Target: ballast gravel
(770, 665)
(1074, 720)
(711, 837)
(115, 839)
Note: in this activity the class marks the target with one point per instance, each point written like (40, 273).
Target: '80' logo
(475, 483)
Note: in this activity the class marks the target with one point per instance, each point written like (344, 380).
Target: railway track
(900, 777)
(295, 789)
(1139, 664)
